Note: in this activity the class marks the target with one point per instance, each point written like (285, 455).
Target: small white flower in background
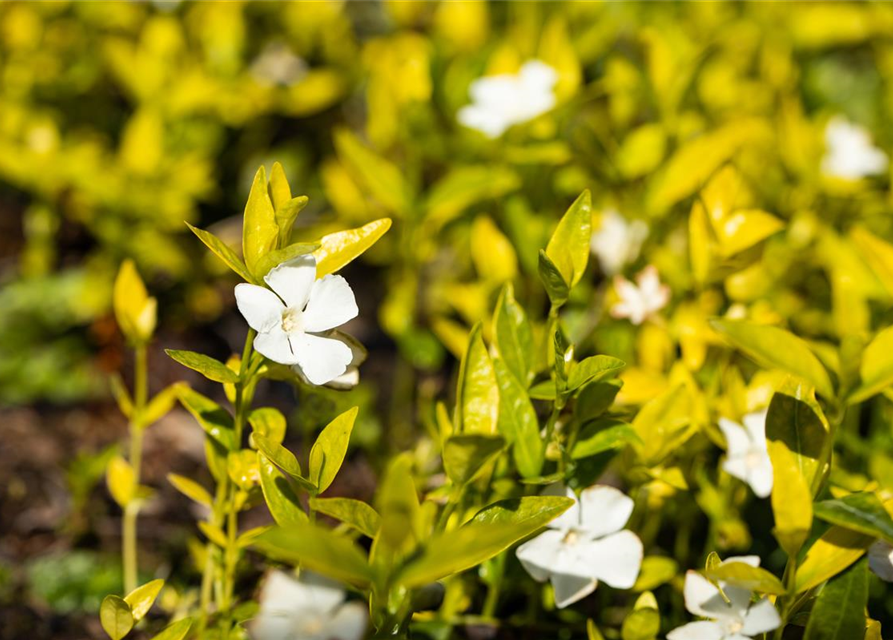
(617, 242)
(849, 152)
(501, 101)
(640, 301)
(584, 545)
(736, 619)
(746, 455)
(880, 560)
(306, 608)
(277, 65)
(289, 322)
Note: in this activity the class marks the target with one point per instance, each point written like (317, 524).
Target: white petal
(491, 124)
(736, 467)
(276, 345)
(760, 618)
(569, 589)
(570, 519)
(702, 630)
(604, 510)
(293, 279)
(755, 423)
(259, 306)
(753, 561)
(703, 599)
(614, 559)
(880, 560)
(321, 359)
(759, 476)
(330, 305)
(349, 623)
(538, 555)
(737, 441)
(320, 593)
(536, 73)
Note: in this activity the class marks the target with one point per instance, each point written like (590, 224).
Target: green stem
(135, 427)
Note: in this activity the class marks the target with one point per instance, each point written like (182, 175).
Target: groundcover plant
(432, 320)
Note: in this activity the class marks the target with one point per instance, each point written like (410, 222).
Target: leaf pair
(562, 264)
(118, 615)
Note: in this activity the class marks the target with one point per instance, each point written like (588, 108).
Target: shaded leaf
(464, 455)
(175, 631)
(281, 500)
(518, 422)
(593, 369)
(603, 435)
(115, 617)
(839, 610)
(554, 283)
(862, 512)
(356, 513)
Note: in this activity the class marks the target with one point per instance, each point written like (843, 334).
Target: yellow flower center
(293, 320)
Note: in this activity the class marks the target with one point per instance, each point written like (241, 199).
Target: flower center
(753, 459)
(293, 320)
(571, 538)
(734, 626)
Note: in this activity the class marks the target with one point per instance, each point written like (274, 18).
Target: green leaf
(269, 423)
(284, 459)
(603, 435)
(465, 186)
(382, 179)
(398, 504)
(318, 549)
(593, 369)
(355, 513)
(878, 253)
(206, 365)
(655, 571)
(543, 390)
(175, 631)
(862, 512)
(554, 283)
(569, 246)
(219, 249)
(191, 489)
(160, 405)
(286, 207)
(490, 532)
(514, 338)
(464, 455)
(330, 448)
(642, 623)
(777, 348)
(518, 422)
(662, 424)
(242, 469)
(839, 610)
(115, 617)
(214, 533)
(281, 500)
(273, 259)
(342, 247)
(477, 403)
(876, 370)
(836, 550)
(260, 233)
(796, 421)
(791, 499)
(140, 599)
(121, 395)
(213, 418)
(741, 574)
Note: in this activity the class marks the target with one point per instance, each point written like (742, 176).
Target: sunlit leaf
(741, 574)
(330, 448)
(213, 418)
(477, 402)
(223, 252)
(191, 489)
(260, 233)
(206, 365)
(121, 481)
(135, 311)
(791, 499)
(593, 369)
(876, 370)
(175, 631)
(862, 512)
(569, 247)
(141, 599)
(464, 455)
(356, 513)
(518, 422)
(836, 550)
(115, 617)
(382, 179)
(340, 248)
(603, 435)
(280, 498)
(513, 336)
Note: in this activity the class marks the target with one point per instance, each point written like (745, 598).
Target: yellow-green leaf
(741, 574)
(269, 423)
(260, 233)
(191, 489)
(275, 258)
(465, 186)
(593, 369)
(839, 610)
(355, 513)
(795, 420)
(381, 178)
(493, 255)
(329, 450)
(340, 248)
(213, 418)
(477, 402)
(115, 617)
(398, 504)
(518, 422)
(568, 249)
(791, 499)
(140, 599)
(206, 365)
(465, 455)
(175, 631)
(777, 348)
(513, 336)
(876, 370)
(862, 512)
(219, 249)
(121, 481)
(836, 550)
(554, 283)
(278, 493)
(135, 311)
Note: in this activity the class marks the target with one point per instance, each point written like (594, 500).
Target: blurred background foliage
(120, 121)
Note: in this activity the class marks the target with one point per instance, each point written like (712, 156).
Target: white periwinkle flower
(640, 301)
(746, 456)
(306, 608)
(277, 65)
(617, 242)
(289, 322)
(735, 619)
(880, 560)
(584, 545)
(501, 101)
(850, 154)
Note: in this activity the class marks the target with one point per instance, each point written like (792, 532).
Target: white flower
(638, 303)
(584, 545)
(306, 608)
(617, 241)
(880, 560)
(746, 455)
(736, 619)
(850, 154)
(277, 65)
(289, 321)
(501, 101)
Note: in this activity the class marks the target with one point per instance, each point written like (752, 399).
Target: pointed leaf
(274, 258)
(381, 178)
(791, 499)
(514, 338)
(796, 421)
(464, 455)
(175, 631)
(839, 610)
(554, 283)
(741, 574)
(339, 249)
(223, 252)
(191, 489)
(569, 247)
(121, 481)
(281, 500)
(141, 598)
(135, 311)
(213, 418)
(603, 435)
(876, 370)
(862, 512)
(330, 448)
(355, 513)
(260, 233)
(477, 405)
(518, 422)
(593, 369)
(206, 365)
(115, 617)
(836, 550)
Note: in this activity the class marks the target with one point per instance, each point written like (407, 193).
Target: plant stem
(131, 511)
